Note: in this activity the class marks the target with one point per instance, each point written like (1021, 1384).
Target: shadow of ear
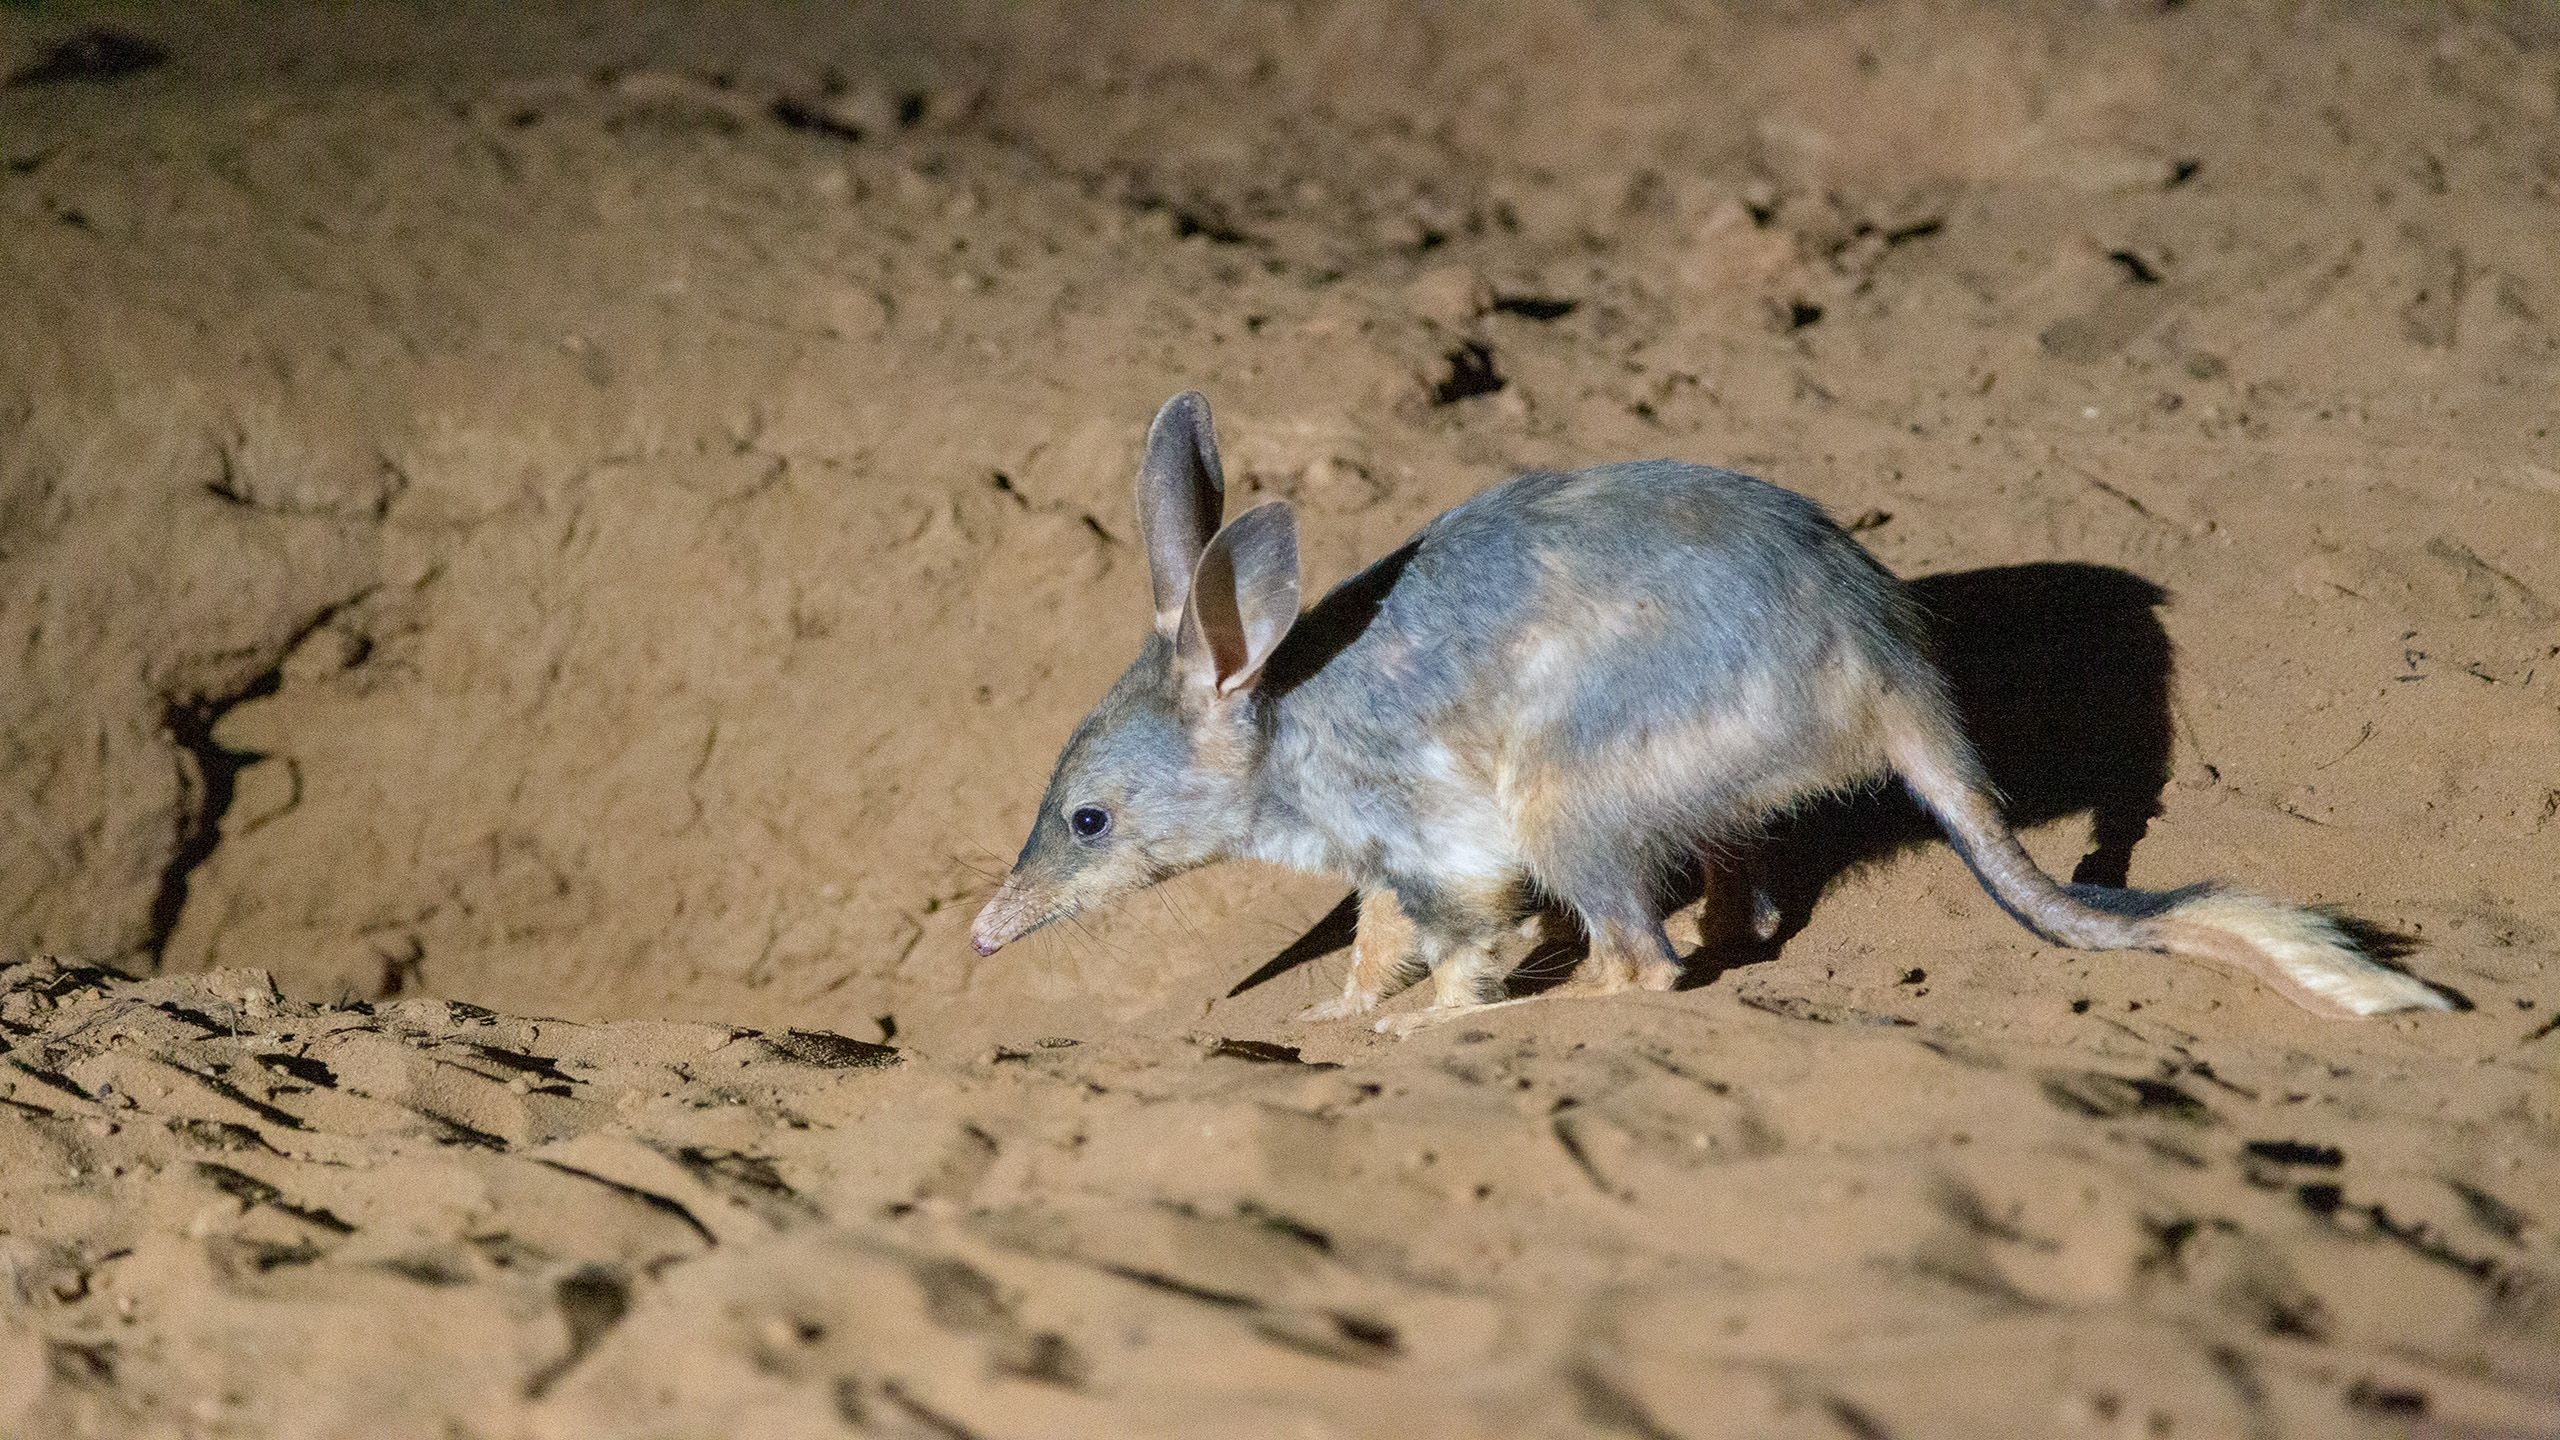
(1335, 931)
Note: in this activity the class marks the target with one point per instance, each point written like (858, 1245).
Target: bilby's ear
(1243, 599)
(1181, 494)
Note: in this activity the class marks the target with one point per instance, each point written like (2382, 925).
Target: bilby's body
(1564, 689)
(1576, 673)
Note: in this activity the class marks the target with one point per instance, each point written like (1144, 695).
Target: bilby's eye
(1089, 821)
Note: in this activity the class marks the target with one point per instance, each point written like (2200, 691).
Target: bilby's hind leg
(1386, 956)
(1734, 910)
(1630, 956)
(1629, 950)
(1744, 901)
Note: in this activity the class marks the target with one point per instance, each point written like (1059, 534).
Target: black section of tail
(2139, 904)
(2123, 903)
(1940, 768)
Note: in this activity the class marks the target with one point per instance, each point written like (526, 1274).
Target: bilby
(1557, 693)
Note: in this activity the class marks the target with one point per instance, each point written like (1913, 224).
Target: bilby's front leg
(1465, 978)
(1625, 955)
(1468, 978)
(1461, 935)
(1386, 956)
(1619, 961)
(1466, 974)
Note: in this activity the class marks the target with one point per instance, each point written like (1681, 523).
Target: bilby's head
(1159, 778)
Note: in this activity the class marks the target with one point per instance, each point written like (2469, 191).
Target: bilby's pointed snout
(1010, 914)
(989, 933)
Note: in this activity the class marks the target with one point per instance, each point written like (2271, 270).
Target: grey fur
(1564, 686)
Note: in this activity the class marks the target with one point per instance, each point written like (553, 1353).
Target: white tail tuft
(2309, 957)
(2302, 953)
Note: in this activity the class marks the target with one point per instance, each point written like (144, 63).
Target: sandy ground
(608, 513)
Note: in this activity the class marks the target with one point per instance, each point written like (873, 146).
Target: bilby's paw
(1408, 1023)
(1344, 1006)
(1401, 1026)
(1687, 929)
(1766, 917)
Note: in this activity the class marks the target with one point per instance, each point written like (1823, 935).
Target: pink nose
(1000, 923)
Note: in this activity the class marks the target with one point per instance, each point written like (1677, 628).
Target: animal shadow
(2062, 674)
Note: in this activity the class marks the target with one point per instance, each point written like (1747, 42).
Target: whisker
(1181, 919)
(1544, 961)
(950, 856)
(1097, 941)
(978, 857)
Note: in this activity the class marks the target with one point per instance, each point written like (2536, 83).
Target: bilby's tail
(2306, 955)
